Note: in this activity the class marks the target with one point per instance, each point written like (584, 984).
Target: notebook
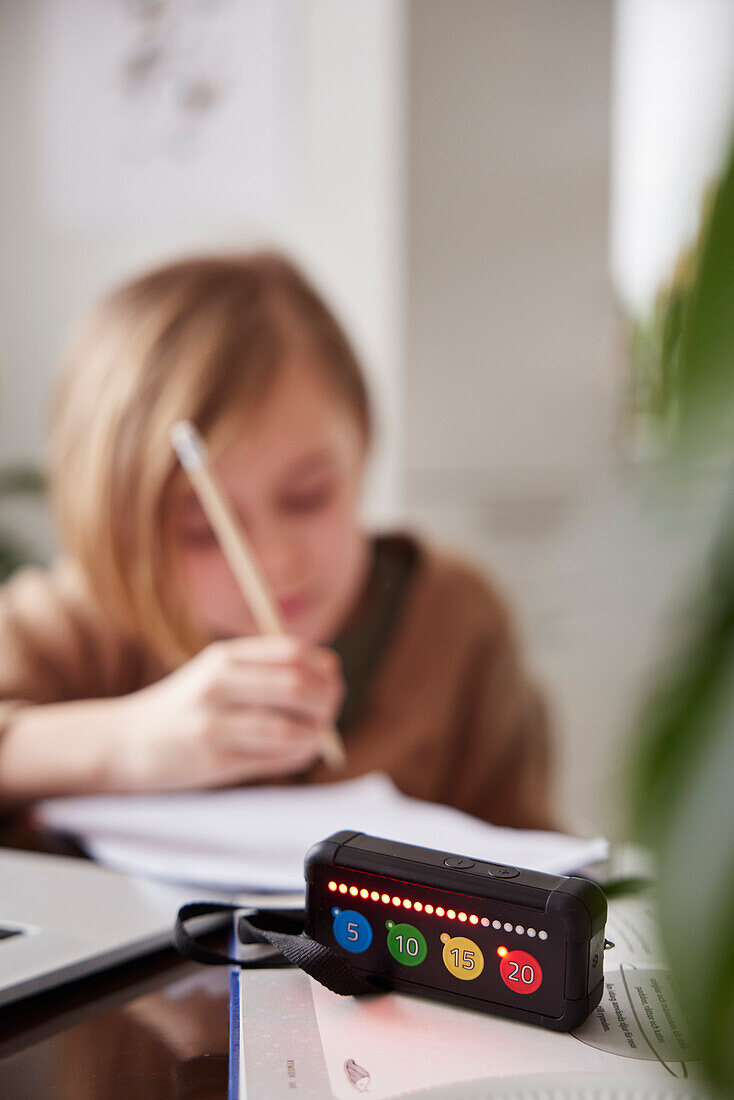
(255, 838)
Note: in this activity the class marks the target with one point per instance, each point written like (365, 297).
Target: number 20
(528, 980)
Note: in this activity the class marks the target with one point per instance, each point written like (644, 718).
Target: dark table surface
(154, 1028)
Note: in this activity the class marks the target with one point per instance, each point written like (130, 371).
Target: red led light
(407, 903)
(502, 951)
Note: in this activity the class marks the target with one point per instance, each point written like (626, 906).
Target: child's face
(293, 479)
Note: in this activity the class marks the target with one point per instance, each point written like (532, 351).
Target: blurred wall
(672, 124)
(512, 386)
(340, 213)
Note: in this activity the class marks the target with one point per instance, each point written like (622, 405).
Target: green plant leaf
(22, 481)
(705, 369)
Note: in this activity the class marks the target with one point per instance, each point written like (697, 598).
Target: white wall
(340, 214)
(510, 329)
(512, 384)
(673, 111)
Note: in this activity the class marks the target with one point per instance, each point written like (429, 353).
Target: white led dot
(497, 924)
(508, 926)
(543, 935)
(519, 929)
(531, 931)
(484, 922)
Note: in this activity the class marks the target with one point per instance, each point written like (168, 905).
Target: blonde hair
(202, 340)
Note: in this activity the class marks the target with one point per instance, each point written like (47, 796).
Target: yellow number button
(462, 957)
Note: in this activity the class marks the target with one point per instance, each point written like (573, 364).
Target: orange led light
(407, 903)
(502, 951)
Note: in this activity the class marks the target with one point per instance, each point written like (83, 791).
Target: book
(289, 1035)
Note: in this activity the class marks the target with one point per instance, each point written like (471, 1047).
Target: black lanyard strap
(283, 930)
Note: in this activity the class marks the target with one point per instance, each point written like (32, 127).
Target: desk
(153, 1029)
(156, 1028)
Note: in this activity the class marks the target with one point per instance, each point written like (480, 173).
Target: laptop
(63, 918)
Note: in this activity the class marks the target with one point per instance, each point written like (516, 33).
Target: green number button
(406, 944)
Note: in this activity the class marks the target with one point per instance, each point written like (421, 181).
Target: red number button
(521, 972)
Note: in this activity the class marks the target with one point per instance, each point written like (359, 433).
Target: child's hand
(247, 708)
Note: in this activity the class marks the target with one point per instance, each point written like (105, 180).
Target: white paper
(256, 838)
(163, 110)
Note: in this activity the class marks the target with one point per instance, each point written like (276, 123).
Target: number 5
(467, 960)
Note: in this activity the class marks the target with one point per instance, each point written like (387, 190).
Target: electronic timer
(485, 935)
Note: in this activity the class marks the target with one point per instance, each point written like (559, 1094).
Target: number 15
(467, 960)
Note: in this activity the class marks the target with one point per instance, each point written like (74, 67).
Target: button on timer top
(459, 863)
(496, 870)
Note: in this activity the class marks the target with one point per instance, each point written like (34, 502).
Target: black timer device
(509, 941)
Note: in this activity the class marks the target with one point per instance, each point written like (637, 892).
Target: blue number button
(352, 931)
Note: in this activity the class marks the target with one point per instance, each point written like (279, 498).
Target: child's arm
(246, 709)
(75, 718)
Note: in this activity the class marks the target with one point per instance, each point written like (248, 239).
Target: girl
(133, 663)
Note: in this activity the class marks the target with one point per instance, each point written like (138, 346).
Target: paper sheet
(255, 838)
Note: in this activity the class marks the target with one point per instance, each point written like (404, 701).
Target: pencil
(193, 456)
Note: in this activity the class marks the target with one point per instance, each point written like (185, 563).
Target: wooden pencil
(193, 456)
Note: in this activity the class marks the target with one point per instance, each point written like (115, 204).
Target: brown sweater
(448, 712)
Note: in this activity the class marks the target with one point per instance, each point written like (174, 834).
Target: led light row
(520, 929)
(438, 910)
